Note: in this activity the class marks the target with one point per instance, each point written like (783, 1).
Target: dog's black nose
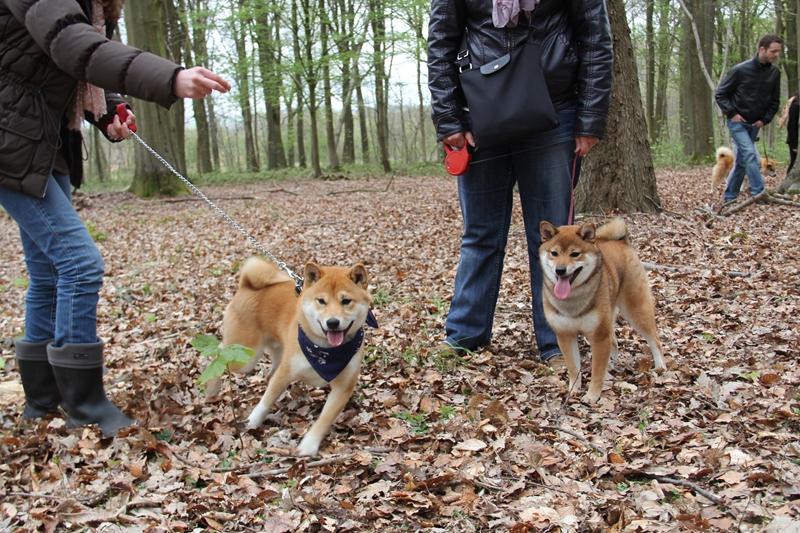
(332, 323)
(561, 271)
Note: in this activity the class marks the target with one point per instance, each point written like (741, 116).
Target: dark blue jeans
(541, 167)
(746, 161)
(65, 267)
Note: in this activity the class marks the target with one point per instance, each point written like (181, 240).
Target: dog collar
(329, 362)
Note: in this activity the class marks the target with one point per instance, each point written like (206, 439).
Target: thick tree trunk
(144, 22)
(697, 115)
(619, 173)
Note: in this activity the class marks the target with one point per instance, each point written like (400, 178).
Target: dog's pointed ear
(311, 274)
(359, 275)
(547, 230)
(587, 232)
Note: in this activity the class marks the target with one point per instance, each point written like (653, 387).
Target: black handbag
(508, 97)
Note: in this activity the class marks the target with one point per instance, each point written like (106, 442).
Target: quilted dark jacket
(751, 89)
(46, 46)
(574, 38)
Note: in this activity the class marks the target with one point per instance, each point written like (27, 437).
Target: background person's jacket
(46, 46)
(574, 38)
(751, 89)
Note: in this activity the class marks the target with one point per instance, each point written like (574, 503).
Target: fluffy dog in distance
(724, 165)
(316, 337)
(589, 274)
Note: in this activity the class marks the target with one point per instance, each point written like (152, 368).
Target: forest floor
(486, 442)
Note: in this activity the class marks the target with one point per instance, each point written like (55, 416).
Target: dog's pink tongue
(335, 337)
(562, 288)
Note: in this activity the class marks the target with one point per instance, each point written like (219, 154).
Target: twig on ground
(688, 484)
(686, 270)
(577, 436)
(219, 199)
(333, 193)
(321, 462)
(763, 195)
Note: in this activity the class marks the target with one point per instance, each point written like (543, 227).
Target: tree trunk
(330, 135)
(197, 20)
(381, 97)
(362, 118)
(100, 163)
(697, 114)
(144, 22)
(619, 173)
(666, 41)
(269, 46)
(650, 83)
(243, 78)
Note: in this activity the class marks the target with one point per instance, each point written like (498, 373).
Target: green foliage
(97, 235)
(208, 345)
(20, 283)
(416, 422)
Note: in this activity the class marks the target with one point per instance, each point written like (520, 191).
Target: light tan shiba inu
(315, 337)
(724, 165)
(588, 274)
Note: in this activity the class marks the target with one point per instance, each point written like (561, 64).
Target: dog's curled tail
(613, 230)
(257, 273)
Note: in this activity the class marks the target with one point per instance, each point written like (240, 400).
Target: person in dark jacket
(58, 66)
(791, 131)
(574, 39)
(749, 96)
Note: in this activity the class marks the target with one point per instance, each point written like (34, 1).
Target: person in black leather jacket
(749, 96)
(574, 39)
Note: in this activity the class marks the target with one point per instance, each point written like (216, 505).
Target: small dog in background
(724, 166)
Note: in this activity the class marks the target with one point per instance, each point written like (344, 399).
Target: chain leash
(281, 264)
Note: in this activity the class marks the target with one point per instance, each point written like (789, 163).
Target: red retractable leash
(122, 112)
(456, 162)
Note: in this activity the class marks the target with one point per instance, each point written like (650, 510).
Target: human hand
(583, 144)
(794, 150)
(460, 139)
(198, 82)
(758, 124)
(737, 118)
(117, 129)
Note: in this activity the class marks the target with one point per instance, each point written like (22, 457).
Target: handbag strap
(462, 59)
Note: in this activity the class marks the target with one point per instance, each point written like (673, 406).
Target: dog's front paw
(307, 447)
(575, 385)
(257, 417)
(591, 397)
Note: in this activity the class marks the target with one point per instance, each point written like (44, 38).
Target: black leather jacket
(574, 37)
(751, 89)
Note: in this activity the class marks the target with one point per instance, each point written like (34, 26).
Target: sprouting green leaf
(216, 369)
(206, 345)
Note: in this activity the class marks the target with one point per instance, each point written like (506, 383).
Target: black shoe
(41, 392)
(78, 369)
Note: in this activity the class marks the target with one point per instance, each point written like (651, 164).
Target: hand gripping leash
(122, 111)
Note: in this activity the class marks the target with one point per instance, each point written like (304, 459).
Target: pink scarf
(89, 97)
(505, 13)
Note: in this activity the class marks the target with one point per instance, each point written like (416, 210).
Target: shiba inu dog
(316, 337)
(724, 166)
(589, 274)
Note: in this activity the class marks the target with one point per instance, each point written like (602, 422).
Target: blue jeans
(744, 136)
(65, 267)
(541, 167)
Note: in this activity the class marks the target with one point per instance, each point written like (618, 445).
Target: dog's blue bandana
(329, 362)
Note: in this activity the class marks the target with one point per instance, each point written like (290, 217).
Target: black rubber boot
(78, 369)
(41, 392)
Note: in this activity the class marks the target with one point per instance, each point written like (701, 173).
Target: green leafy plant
(223, 358)
(417, 422)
